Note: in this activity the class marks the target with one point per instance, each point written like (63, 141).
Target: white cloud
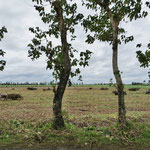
(19, 15)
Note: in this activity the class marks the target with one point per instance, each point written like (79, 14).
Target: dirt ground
(81, 105)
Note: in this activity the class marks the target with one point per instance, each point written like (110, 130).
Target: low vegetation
(90, 118)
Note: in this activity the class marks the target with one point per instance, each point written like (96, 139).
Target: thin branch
(105, 5)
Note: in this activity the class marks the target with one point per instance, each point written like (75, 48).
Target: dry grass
(84, 106)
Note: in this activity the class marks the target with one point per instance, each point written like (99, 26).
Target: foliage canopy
(44, 42)
(2, 62)
(119, 10)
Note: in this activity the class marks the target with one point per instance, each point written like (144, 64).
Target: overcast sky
(19, 15)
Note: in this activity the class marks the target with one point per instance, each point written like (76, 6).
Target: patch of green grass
(144, 138)
(137, 114)
(19, 132)
(144, 86)
(29, 133)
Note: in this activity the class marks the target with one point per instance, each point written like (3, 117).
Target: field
(82, 107)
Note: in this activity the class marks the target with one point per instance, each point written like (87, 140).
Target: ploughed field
(82, 106)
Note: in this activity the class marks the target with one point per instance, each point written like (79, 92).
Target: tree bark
(57, 101)
(120, 86)
(64, 71)
(116, 72)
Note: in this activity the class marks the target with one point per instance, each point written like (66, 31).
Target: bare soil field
(81, 105)
(90, 115)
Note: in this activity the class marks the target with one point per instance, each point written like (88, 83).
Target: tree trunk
(120, 86)
(64, 70)
(57, 101)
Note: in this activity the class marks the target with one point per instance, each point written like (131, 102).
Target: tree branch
(105, 5)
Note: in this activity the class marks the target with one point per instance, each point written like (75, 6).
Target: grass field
(92, 112)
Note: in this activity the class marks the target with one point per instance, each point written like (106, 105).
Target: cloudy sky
(19, 15)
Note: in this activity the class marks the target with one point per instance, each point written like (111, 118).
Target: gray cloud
(19, 15)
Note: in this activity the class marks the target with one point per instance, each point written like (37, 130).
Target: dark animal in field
(32, 88)
(147, 92)
(12, 89)
(3, 96)
(14, 96)
(48, 89)
(103, 88)
(90, 88)
(116, 92)
(134, 89)
(11, 96)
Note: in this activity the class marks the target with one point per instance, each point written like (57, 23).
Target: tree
(2, 62)
(104, 25)
(61, 17)
(144, 58)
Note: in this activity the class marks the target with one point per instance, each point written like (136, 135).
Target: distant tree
(144, 82)
(105, 26)
(111, 82)
(2, 62)
(61, 17)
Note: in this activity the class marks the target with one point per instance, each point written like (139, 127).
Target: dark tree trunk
(120, 86)
(117, 74)
(64, 70)
(57, 101)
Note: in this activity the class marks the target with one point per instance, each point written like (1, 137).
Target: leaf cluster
(100, 24)
(43, 42)
(144, 58)
(71, 17)
(2, 62)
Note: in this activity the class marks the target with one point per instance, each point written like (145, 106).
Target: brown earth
(80, 105)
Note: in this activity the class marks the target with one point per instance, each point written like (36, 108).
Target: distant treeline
(51, 83)
(25, 83)
(47, 83)
(33, 83)
(139, 83)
